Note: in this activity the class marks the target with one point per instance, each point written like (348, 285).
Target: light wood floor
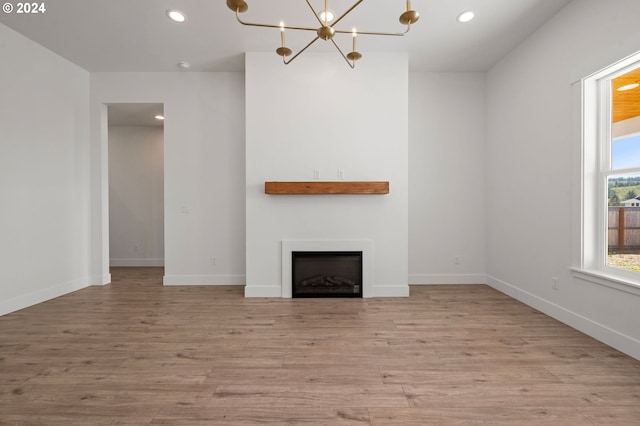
(135, 352)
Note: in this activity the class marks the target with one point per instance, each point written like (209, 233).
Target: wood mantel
(314, 188)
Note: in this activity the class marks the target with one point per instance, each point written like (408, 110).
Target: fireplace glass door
(327, 274)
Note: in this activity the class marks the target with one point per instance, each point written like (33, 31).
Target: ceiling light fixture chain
(327, 29)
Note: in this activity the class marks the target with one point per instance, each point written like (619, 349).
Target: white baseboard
(606, 335)
(39, 296)
(263, 291)
(204, 280)
(391, 291)
(132, 262)
(101, 279)
(438, 279)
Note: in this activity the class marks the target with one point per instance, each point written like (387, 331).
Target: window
(611, 173)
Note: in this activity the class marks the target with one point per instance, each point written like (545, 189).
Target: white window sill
(608, 280)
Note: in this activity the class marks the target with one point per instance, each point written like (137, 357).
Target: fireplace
(326, 273)
(363, 246)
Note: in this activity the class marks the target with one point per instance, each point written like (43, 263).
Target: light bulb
(328, 17)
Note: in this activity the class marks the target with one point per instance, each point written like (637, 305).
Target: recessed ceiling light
(466, 16)
(176, 15)
(159, 117)
(628, 87)
(329, 15)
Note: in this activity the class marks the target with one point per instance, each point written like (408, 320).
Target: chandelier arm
(253, 24)
(346, 13)
(315, 13)
(373, 32)
(341, 53)
(303, 49)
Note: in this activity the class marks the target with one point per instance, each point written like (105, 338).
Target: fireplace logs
(320, 280)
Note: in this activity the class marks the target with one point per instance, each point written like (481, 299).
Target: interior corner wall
(533, 168)
(203, 168)
(44, 174)
(447, 178)
(318, 114)
(136, 196)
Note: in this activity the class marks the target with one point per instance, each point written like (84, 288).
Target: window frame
(596, 127)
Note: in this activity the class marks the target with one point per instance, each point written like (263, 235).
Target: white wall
(203, 170)
(533, 168)
(136, 196)
(446, 178)
(317, 113)
(44, 174)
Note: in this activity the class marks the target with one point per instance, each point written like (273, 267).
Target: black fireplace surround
(326, 274)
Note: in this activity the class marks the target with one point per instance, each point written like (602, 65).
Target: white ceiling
(136, 35)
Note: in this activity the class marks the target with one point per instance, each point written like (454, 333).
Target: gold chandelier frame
(326, 31)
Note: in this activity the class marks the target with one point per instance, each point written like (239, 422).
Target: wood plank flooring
(137, 353)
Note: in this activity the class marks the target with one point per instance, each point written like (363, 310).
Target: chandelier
(326, 31)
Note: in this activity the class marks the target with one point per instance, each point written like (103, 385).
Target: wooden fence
(624, 228)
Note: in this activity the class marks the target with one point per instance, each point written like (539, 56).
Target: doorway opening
(136, 184)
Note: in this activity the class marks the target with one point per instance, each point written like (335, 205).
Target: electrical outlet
(316, 173)
(555, 284)
(456, 260)
(136, 247)
(340, 174)
(214, 261)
